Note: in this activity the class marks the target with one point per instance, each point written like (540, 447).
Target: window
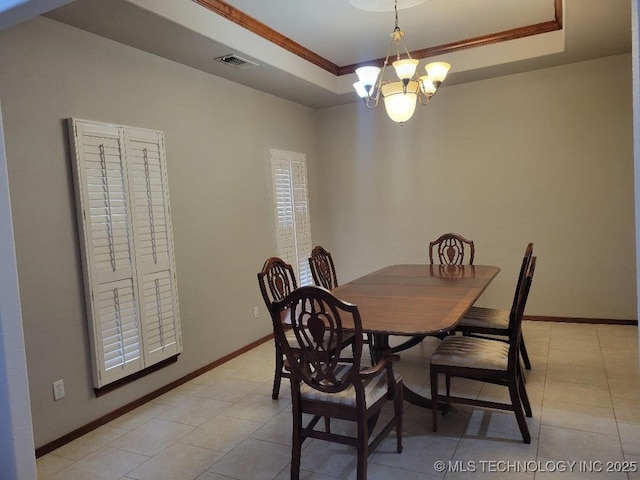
(291, 205)
(122, 202)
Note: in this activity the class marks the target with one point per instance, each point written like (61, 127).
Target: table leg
(381, 347)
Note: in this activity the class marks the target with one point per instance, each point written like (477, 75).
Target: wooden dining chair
(324, 275)
(486, 360)
(277, 280)
(492, 321)
(323, 386)
(451, 249)
(323, 270)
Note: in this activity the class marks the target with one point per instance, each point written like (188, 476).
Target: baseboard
(51, 446)
(600, 321)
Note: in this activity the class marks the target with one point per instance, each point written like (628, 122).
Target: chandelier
(400, 96)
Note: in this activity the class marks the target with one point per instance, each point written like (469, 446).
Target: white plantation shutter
(125, 228)
(145, 151)
(291, 206)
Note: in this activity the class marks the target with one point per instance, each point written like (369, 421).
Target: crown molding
(232, 14)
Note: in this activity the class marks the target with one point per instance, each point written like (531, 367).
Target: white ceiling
(187, 32)
(345, 35)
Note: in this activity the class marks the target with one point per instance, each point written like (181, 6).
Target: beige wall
(545, 156)
(535, 157)
(217, 137)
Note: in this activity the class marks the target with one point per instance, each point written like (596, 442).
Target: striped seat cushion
(472, 352)
(374, 389)
(485, 317)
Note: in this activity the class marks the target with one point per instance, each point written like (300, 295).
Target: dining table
(414, 301)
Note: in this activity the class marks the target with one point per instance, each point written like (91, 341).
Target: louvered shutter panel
(302, 220)
(124, 220)
(119, 327)
(101, 179)
(291, 206)
(285, 226)
(154, 245)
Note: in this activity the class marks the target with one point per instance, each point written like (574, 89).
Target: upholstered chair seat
(375, 388)
(461, 351)
(486, 317)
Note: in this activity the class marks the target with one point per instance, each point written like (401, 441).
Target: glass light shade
(361, 90)
(367, 75)
(437, 71)
(426, 86)
(399, 105)
(405, 68)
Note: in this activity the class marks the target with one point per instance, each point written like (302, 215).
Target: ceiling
(307, 49)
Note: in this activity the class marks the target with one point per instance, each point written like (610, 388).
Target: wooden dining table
(414, 301)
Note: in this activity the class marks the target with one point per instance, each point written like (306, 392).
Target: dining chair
(323, 386)
(492, 321)
(486, 360)
(277, 280)
(450, 249)
(324, 275)
(323, 270)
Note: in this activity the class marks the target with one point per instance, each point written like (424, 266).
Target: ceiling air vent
(237, 61)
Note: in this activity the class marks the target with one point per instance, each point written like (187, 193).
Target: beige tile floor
(584, 389)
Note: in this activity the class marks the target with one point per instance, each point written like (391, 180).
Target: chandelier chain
(395, 8)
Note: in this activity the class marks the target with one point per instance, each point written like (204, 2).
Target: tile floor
(584, 389)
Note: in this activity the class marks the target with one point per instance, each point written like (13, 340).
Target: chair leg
(434, 398)
(524, 354)
(517, 408)
(524, 398)
(277, 376)
(363, 449)
(372, 422)
(397, 401)
(369, 341)
(520, 367)
(296, 444)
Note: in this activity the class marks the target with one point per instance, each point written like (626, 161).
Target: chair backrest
(517, 312)
(316, 317)
(322, 268)
(450, 249)
(277, 280)
(526, 261)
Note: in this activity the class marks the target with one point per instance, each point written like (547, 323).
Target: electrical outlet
(58, 389)
(256, 312)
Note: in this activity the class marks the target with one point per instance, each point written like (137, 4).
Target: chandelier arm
(374, 99)
(397, 43)
(378, 86)
(423, 99)
(406, 50)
